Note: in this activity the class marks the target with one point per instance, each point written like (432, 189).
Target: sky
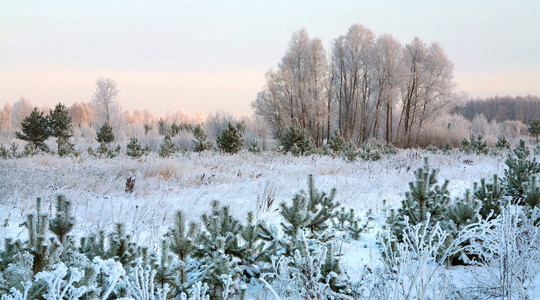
(204, 56)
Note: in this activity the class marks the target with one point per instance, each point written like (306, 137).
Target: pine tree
(336, 142)
(355, 229)
(490, 196)
(331, 270)
(60, 125)
(425, 196)
(534, 128)
(532, 195)
(35, 130)
(200, 140)
(134, 148)
(350, 153)
(182, 243)
(476, 145)
(166, 269)
(63, 221)
(295, 141)
(121, 248)
(147, 128)
(343, 217)
(313, 212)
(230, 140)
(43, 252)
(221, 230)
(518, 172)
(254, 147)
(502, 143)
(250, 235)
(167, 147)
(162, 127)
(462, 212)
(105, 134)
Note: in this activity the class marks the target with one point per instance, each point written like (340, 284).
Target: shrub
(134, 148)
(105, 134)
(35, 130)
(295, 141)
(200, 140)
(167, 147)
(230, 140)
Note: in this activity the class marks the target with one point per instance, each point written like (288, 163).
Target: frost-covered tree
(60, 126)
(295, 141)
(63, 221)
(35, 129)
(44, 251)
(135, 149)
(200, 141)
(336, 142)
(105, 100)
(312, 211)
(534, 128)
(182, 244)
(490, 196)
(519, 171)
(231, 138)
(105, 134)
(298, 90)
(425, 197)
(167, 147)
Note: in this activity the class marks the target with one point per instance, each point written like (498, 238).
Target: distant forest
(525, 109)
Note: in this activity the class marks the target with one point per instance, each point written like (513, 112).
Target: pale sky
(207, 55)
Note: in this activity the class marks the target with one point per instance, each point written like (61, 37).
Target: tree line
(501, 108)
(367, 87)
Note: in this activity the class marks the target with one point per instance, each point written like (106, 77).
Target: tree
(200, 141)
(297, 90)
(21, 109)
(427, 86)
(351, 75)
(295, 141)
(167, 147)
(60, 125)
(387, 68)
(134, 148)
(534, 128)
(105, 99)
(519, 171)
(230, 140)
(35, 129)
(425, 197)
(63, 221)
(105, 134)
(312, 211)
(182, 243)
(336, 142)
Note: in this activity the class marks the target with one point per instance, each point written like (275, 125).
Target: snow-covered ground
(190, 183)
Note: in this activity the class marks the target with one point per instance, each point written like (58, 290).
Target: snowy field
(190, 183)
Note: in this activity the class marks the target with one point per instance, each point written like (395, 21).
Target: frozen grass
(192, 181)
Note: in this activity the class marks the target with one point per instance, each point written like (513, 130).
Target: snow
(190, 183)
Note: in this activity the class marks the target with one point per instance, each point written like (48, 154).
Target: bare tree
(427, 87)
(297, 89)
(105, 99)
(352, 80)
(5, 116)
(387, 75)
(21, 109)
(82, 113)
